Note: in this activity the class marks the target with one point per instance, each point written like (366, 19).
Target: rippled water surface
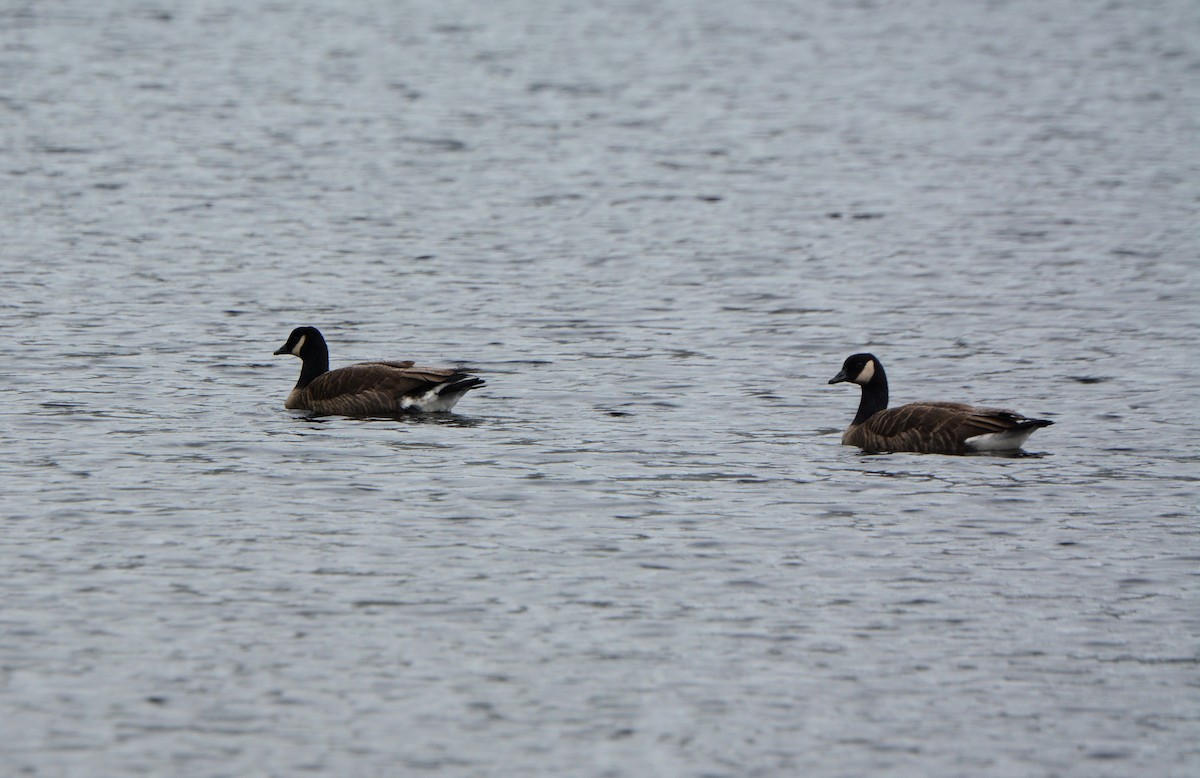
(657, 230)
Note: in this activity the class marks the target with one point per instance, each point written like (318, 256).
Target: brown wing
(932, 428)
(430, 375)
(401, 365)
(949, 406)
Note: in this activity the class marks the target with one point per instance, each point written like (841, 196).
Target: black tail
(460, 383)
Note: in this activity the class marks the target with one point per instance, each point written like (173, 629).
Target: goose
(925, 427)
(369, 388)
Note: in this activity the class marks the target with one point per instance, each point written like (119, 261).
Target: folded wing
(386, 388)
(932, 427)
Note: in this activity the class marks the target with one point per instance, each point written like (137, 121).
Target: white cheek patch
(868, 372)
(299, 345)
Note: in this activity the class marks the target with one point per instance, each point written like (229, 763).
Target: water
(657, 230)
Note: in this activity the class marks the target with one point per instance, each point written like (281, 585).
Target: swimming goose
(925, 427)
(369, 388)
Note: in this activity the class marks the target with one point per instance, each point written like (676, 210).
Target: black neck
(874, 396)
(316, 362)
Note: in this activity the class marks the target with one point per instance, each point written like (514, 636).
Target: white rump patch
(430, 402)
(868, 372)
(1000, 441)
(299, 345)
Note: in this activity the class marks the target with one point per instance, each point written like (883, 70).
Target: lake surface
(657, 230)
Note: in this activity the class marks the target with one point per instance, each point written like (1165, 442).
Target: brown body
(937, 428)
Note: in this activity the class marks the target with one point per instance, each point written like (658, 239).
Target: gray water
(657, 229)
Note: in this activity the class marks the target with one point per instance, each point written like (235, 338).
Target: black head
(304, 341)
(858, 369)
